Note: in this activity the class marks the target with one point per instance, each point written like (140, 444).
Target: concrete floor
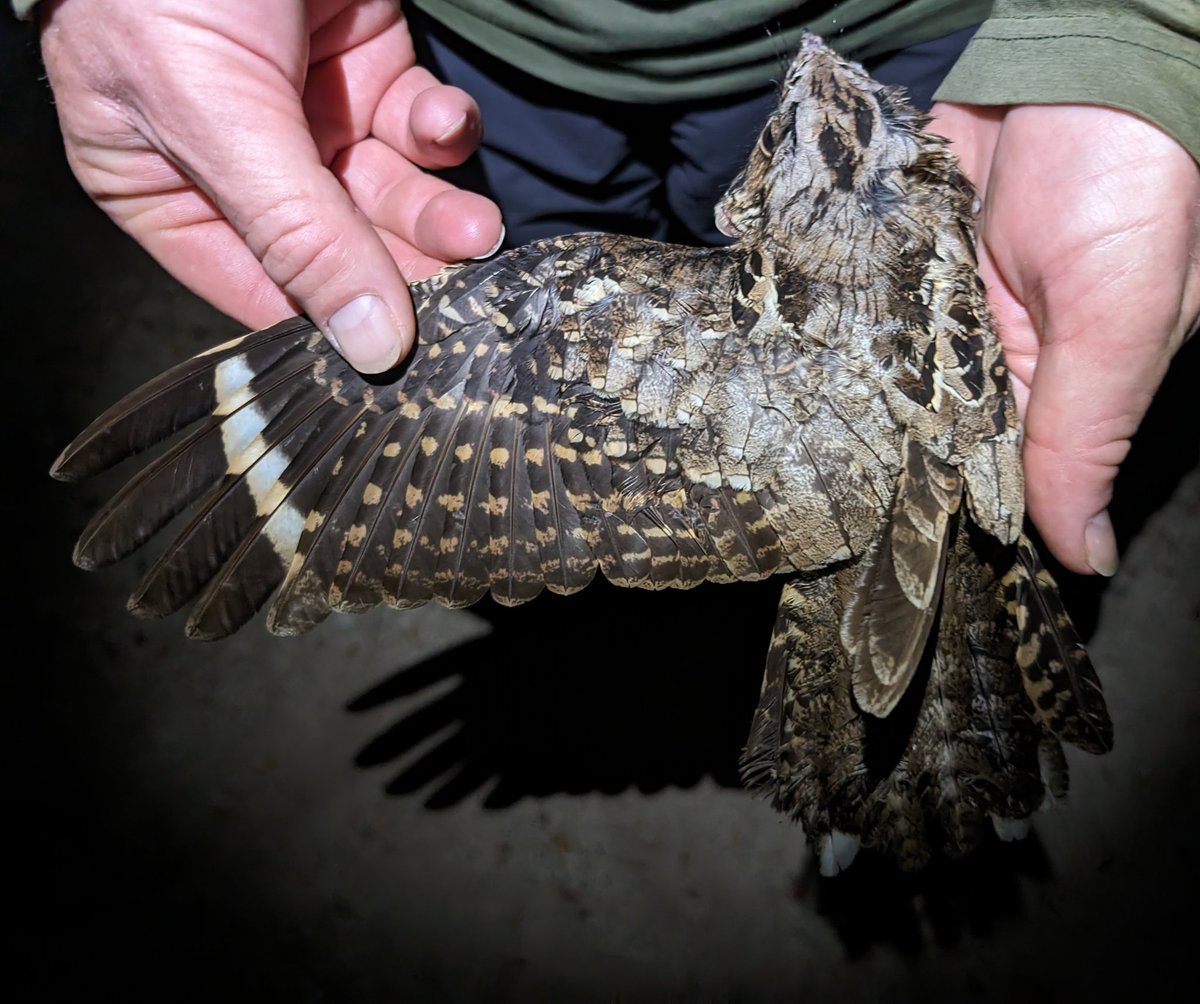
(491, 805)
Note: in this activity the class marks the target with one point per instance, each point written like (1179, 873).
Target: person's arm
(270, 154)
(1075, 124)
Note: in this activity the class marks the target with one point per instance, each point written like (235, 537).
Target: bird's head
(840, 151)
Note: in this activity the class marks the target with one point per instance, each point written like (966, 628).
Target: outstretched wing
(540, 431)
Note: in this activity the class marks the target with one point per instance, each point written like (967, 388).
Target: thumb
(1090, 227)
(310, 238)
(1079, 414)
(197, 144)
(1079, 422)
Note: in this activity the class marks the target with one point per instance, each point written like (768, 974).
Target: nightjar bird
(824, 400)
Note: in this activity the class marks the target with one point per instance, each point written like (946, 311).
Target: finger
(369, 84)
(1102, 358)
(1078, 427)
(430, 123)
(335, 26)
(264, 174)
(342, 91)
(203, 105)
(442, 222)
(1103, 355)
(366, 91)
(193, 241)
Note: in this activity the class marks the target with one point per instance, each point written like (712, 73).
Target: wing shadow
(601, 691)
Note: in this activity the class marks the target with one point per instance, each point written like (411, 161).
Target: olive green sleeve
(1142, 56)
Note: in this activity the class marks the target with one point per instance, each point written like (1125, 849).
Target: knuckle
(296, 246)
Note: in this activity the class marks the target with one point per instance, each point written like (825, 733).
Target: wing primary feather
(249, 576)
(457, 391)
(303, 599)
(416, 561)
(170, 401)
(369, 577)
(232, 506)
(173, 480)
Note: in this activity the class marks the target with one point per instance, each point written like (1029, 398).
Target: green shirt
(1143, 57)
(654, 51)
(1139, 55)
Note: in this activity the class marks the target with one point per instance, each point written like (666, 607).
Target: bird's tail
(974, 742)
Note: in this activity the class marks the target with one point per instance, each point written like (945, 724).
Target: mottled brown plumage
(824, 399)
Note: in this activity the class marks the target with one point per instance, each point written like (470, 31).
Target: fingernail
(363, 331)
(1100, 545)
(495, 247)
(453, 132)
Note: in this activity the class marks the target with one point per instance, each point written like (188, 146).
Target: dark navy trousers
(558, 162)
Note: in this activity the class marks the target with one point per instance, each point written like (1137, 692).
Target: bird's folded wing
(492, 460)
(888, 620)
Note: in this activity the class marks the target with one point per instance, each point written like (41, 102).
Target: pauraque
(824, 400)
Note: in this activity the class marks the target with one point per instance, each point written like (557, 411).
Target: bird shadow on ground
(613, 689)
(601, 691)
(873, 903)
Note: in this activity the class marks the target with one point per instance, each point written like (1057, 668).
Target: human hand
(269, 154)
(1089, 243)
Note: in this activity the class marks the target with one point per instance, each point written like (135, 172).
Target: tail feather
(806, 747)
(1058, 675)
(970, 745)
